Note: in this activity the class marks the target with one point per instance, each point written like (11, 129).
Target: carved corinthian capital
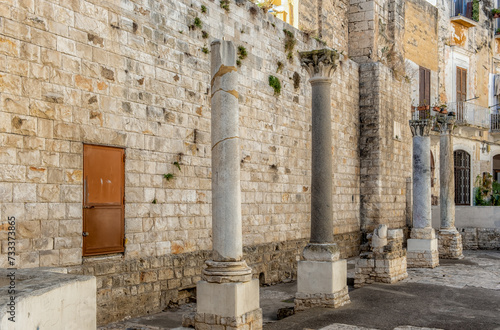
(445, 123)
(319, 63)
(421, 127)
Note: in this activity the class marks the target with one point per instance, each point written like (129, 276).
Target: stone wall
(133, 287)
(385, 158)
(480, 238)
(421, 34)
(135, 75)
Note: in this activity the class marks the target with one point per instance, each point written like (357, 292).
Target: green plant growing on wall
(154, 201)
(290, 43)
(176, 164)
(275, 84)
(204, 34)
(205, 50)
(203, 9)
(485, 193)
(475, 10)
(224, 4)
(238, 62)
(197, 23)
(242, 52)
(169, 176)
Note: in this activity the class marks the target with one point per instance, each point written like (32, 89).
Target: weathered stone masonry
(134, 75)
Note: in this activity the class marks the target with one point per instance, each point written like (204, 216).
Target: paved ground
(460, 294)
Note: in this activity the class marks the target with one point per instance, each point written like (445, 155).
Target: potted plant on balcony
(497, 31)
(495, 12)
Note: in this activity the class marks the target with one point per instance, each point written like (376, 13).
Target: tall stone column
(227, 295)
(422, 250)
(321, 276)
(449, 239)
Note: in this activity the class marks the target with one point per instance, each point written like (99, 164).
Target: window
(103, 200)
(462, 177)
(424, 86)
(461, 8)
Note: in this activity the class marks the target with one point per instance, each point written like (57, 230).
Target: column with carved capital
(422, 248)
(227, 294)
(450, 240)
(321, 276)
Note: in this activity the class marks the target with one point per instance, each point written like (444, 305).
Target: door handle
(85, 234)
(89, 207)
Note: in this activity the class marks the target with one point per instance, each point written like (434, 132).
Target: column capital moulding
(445, 123)
(320, 63)
(421, 127)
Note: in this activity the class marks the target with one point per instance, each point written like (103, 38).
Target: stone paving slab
(459, 294)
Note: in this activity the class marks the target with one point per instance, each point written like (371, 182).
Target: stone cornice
(319, 63)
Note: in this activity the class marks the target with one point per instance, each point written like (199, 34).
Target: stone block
(422, 245)
(321, 276)
(227, 299)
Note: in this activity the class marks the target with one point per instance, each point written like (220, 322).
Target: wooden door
(103, 200)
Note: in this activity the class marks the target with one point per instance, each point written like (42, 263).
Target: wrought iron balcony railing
(495, 123)
(470, 114)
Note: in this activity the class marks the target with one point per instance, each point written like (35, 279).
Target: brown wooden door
(103, 200)
(424, 86)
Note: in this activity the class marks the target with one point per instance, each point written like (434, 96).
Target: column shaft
(447, 182)
(321, 181)
(421, 181)
(226, 193)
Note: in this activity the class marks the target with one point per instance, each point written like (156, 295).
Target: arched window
(462, 177)
(496, 168)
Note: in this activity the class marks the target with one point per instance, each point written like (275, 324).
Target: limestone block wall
(385, 159)
(135, 75)
(326, 20)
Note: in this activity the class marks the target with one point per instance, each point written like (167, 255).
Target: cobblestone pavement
(453, 279)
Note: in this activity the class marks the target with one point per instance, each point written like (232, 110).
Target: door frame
(86, 206)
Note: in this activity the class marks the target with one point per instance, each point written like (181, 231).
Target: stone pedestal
(227, 298)
(450, 241)
(385, 260)
(422, 249)
(321, 276)
(450, 244)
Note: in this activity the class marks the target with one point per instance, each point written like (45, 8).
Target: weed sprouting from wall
(275, 84)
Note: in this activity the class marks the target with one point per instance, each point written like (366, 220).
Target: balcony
(464, 12)
(471, 115)
(495, 123)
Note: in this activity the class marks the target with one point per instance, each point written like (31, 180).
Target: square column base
(422, 253)
(380, 268)
(321, 284)
(450, 244)
(232, 305)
